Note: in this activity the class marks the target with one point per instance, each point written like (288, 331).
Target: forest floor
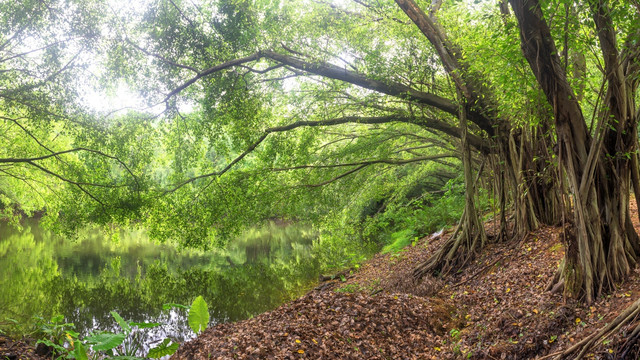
(494, 308)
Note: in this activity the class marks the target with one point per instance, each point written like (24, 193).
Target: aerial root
(627, 316)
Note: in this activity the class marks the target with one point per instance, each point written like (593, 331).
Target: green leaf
(57, 319)
(123, 324)
(49, 343)
(165, 348)
(198, 315)
(79, 352)
(144, 325)
(105, 341)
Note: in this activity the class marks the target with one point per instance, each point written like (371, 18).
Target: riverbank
(495, 308)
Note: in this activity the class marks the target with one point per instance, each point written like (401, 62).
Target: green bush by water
(65, 342)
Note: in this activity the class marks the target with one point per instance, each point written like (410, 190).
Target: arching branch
(211, 70)
(369, 162)
(79, 185)
(337, 73)
(31, 161)
(283, 128)
(352, 77)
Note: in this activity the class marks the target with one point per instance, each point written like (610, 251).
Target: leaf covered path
(495, 308)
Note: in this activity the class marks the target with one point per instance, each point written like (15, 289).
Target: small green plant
(415, 241)
(198, 315)
(455, 334)
(56, 333)
(65, 343)
(125, 344)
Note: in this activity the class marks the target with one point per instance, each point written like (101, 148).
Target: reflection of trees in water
(232, 293)
(135, 279)
(26, 268)
(275, 241)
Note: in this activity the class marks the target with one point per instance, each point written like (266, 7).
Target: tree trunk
(470, 236)
(602, 246)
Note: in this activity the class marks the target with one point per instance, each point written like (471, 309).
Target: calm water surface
(84, 279)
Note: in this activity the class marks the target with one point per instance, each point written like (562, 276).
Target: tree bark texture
(603, 246)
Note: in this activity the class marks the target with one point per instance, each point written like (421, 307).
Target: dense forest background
(375, 121)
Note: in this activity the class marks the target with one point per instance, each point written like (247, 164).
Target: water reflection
(87, 278)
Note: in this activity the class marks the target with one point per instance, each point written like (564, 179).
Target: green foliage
(455, 334)
(408, 219)
(123, 324)
(66, 343)
(198, 315)
(103, 341)
(55, 329)
(165, 348)
(79, 352)
(55, 333)
(399, 240)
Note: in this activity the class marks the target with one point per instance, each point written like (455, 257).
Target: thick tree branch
(343, 120)
(337, 73)
(478, 111)
(388, 88)
(212, 70)
(56, 154)
(368, 162)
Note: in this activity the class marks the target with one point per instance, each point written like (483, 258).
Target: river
(84, 279)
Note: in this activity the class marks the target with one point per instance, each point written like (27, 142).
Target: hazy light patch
(120, 99)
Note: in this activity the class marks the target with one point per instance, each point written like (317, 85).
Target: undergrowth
(390, 224)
